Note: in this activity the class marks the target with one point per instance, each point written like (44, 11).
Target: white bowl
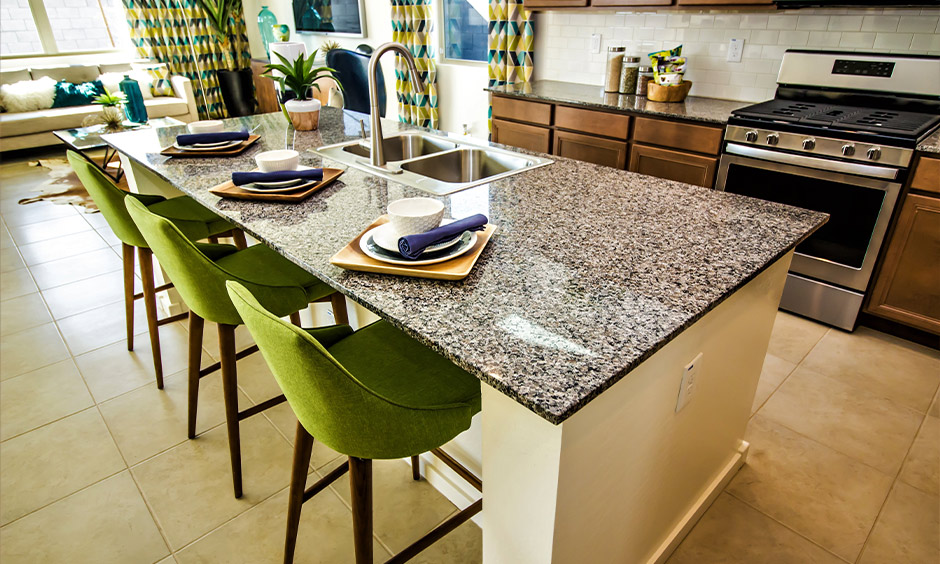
(282, 159)
(415, 215)
(206, 126)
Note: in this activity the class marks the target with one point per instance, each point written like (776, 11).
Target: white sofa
(23, 130)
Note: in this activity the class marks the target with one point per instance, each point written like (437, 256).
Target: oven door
(844, 250)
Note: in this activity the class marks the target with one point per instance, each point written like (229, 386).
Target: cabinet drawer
(673, 165)
(521, 110)
(927, 175)
(590, 121)
(591, 149)
(522, 135)
(631, 2)
(698, 138)
(552, 3)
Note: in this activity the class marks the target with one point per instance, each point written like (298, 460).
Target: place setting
(279, 177)
(414, 239)
(208, 138)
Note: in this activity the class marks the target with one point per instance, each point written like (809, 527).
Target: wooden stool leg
(145, 256)
(303, 446)
(129, 293)
(239, 237)
(338, 301)
(214, 239)
(415, 469)
(295, 318)
(196, 325)
(230, 392)
(360, 488)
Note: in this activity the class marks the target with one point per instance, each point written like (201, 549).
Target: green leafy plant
(108, 99)
(299, 75)
(222, 15)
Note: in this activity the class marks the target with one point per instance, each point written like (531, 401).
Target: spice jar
(629, 73)
(614, 66)
(645, 75)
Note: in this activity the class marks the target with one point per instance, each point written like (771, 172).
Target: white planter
(304, 114)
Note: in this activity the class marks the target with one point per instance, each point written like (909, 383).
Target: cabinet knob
(773, 139)
(809, 144)
(848, 149)
(751, 136)
(874, 153)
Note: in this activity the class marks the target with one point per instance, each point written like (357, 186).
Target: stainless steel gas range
(838, 137)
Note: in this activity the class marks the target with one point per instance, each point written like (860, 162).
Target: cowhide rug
(63, 186)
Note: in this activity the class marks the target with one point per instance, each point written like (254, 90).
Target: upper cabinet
(550, 4)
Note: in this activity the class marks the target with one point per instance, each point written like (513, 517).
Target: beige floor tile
(148, 421)
(823, 495)
(922, 467)
(96, 220)
(934, 410)
(6, 241)
(16, 283)
(25, 312)
(867, 427)
(109, 236)
(463, 545)
(103, 524)
(102, 326)
(286, 422)
(30, 350)
(210, 339)
(257, 535)
(906, 530)
(189, 487)
(793, 336)
(36, 398)
(403, 509)
(774, 372)
(881, 364)
(73, 269)
(54, 461)
(62, 247)
(732, 532)
(255, 378)
(10, 260)
(21, 214)
(85, 295)
(113, 370)
(50, 229)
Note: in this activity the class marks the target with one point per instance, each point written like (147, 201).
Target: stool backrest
(332, 404)
(352, 70)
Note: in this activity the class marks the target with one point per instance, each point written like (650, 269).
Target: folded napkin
(412, 246)
(193, 138)
(242, 178)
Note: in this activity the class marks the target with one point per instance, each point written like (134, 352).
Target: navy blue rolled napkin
(242, 178)
(193, 138)
(411, 246)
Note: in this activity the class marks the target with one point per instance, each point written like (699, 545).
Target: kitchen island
(596, 291)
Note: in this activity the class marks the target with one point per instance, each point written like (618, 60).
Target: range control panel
(863, 68)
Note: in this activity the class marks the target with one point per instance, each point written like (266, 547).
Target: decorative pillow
(112, 81)
(159, 80)
(68, 94)
(28, 95)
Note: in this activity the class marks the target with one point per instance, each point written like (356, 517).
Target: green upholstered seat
(373, 394)
(282, 286)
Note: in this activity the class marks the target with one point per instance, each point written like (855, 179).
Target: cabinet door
(908, 285)
(527, 4)
(673, 165)
(591, 149)
(724, 2)
(927, 175)
(522, 110)
(676, 135)
(590, 121)
(631, 2)
(522, 135)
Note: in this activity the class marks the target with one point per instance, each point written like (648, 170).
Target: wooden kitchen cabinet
(926, 175)
(631, 2)
(521, 135)
(907, 288)
(265, 92)
(673, 165)
(522, 110)
(724, 2)
(676, 135)
(553, 3)
(588, 148)
(592, 121)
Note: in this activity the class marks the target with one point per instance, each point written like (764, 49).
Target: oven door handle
(813, 162)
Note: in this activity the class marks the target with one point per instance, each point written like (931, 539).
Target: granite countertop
(709, 110)
(930, 144)
(591, 271)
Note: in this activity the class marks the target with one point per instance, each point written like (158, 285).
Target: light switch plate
(735, 50)
(596, 43)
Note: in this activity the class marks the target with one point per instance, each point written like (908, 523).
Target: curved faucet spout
(378, 149)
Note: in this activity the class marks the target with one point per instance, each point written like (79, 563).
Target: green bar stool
(199, 273)
(371, 394)
(194, 220)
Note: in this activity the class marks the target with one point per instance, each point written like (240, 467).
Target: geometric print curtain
(177, 32)
(512, 44)
(412, 25)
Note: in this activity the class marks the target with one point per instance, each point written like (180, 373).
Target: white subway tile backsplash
(845, 23)
(754, 21)
(880, 23)
(765, 37)
(793, 38)
(824, 39)
(758, 65)
(728, 21)
(782, 22)
(812, 23)
(857, 40)
(680, 20)
(918, 24)
(924, 42)
(893, 40)
(655, 20)
(702, 21)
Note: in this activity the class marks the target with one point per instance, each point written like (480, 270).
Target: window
(48, 27)
(465, 29)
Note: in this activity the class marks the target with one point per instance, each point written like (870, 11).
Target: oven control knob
(751, 136)
(773, 138)
(874, 153)
(848, 149)
(809, 144)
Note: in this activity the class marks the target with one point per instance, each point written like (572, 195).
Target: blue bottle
(134, 107)
(266, 23)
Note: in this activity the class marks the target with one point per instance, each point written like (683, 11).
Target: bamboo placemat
(229, 190)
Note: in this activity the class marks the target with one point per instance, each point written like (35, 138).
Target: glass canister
(134, 107)
(614, 66)
(644, 76)
(266, 22)
(628, 74)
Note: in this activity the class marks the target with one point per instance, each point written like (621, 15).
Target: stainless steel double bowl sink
(434, 164)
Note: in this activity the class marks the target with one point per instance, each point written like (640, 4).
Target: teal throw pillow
(68, 94)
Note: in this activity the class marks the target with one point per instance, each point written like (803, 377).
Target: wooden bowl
(659, 93)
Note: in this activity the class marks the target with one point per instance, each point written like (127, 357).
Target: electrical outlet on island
(688, 382)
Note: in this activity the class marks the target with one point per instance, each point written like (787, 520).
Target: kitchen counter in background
(709, 110)
(930, 144)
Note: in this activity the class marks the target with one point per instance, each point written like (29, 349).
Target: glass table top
(90, 137)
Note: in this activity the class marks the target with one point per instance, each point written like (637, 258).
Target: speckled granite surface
(711, 110)
(930, 144)
(592, 269)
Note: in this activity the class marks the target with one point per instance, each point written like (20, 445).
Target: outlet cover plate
(735, 50)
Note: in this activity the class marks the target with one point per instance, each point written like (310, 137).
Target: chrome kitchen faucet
(378, 150)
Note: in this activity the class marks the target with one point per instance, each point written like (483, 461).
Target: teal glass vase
(266, 22)
(134, 107)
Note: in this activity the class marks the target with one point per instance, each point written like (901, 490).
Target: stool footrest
(238, 356)
(325, 481)
(166, 286)
(172, 318)
(256, 409)
(459, 468)
(437, 533)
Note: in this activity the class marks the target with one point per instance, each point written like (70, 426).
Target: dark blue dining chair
(352, 69)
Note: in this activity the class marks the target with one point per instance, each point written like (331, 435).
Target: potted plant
(235, 81)
(112, 115)
(300, 77)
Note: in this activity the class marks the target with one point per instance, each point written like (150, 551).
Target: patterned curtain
(412, 27)
(177, 33)
(512, 44)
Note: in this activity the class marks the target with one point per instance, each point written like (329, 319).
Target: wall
(563, 39)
